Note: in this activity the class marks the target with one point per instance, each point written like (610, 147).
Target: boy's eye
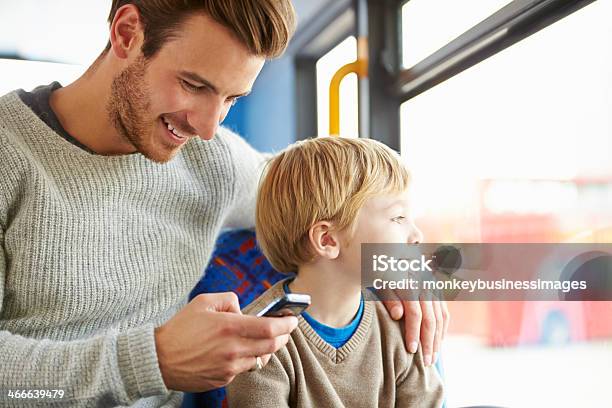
(399, 219)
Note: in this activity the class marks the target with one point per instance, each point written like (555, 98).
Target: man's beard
(128, 109)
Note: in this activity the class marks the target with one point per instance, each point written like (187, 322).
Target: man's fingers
(219, 302)
(261, 347)
(392, 303)
(437, 308)
(265, 359)
(250, 363)
(252, 327)
(412, 324)
(241, 366)
(428, 330)
(446, 317)
(424, 320)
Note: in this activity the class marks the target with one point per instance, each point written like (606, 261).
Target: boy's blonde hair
(324, 179)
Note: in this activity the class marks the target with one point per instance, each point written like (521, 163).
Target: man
(113, 190)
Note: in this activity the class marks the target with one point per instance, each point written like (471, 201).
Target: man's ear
(126, 34)
(324, 240)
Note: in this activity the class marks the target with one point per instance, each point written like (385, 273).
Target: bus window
(327, 65)
(516, 149)
(427, 25)
(517, 115)
(29, 74)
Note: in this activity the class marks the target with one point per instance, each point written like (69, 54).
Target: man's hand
(426, 320)
(208, 342)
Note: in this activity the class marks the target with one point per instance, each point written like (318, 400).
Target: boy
(319, 200)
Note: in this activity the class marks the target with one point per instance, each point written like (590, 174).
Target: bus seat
(236, 265)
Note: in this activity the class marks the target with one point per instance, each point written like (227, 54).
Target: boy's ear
(324, 240)
(126, 31)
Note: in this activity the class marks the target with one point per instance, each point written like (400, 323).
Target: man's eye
(399, 219)
(190, 87)
(232, 101)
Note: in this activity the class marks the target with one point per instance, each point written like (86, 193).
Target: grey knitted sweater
(96, 251)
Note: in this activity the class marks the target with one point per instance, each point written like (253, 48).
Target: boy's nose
(416, 236)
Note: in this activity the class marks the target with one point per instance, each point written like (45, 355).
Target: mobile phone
(290, 304)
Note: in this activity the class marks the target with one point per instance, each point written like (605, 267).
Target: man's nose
(205, 119)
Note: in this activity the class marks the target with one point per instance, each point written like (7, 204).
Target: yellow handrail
(359, 67)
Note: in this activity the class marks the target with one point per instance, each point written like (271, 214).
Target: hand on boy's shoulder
(416, 384)
(392, 334)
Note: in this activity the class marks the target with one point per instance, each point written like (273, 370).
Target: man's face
(184, 91)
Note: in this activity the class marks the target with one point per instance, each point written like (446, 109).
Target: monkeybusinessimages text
(423, 265)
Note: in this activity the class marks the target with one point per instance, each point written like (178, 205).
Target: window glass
(344, 53)
(428, 25)
(70, 31)
(17, 74)
(517, 149)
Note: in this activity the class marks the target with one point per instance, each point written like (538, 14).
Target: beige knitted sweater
(372, 369)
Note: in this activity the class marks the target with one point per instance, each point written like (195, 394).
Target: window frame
(320, 35)
(512, 23)
(389, 84)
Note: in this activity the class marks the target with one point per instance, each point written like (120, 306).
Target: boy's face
(382, 220)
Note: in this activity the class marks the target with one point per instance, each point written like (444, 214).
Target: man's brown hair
(263, 26)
